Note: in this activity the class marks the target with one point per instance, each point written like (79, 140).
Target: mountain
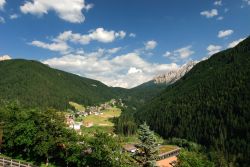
(37, 85)
(146, 91)
(174, 75)
(209, 105)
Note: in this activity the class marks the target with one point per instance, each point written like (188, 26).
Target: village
(87, 118)
(92, 115)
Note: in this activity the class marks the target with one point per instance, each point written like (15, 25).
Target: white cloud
(212, 49)
(2, 20)
(132, 35)
(89, 6)
(100, 35)
(120, 34)
(167, 54)
(234, 43)
(185, 52)
(218, 3)
(61, 42)
(126, 70)
(14, 16)
(68, 10)
(247, 1)
(220, 18)
(59, 47)
(150, 45)
(2, 3)
(179, 54)
(134, 70)
(5, 57)
(209, 14)
(225, 33)
(114, 50)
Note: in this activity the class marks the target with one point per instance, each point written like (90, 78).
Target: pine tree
(148, 146)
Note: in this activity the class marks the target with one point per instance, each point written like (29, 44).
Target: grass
(94, 129)
(78, 107)
(167, 148)
(104, 119)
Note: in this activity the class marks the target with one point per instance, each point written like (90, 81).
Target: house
(130, 148)
(76, 126)
(167, 156)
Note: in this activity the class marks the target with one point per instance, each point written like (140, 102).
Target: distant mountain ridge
(174, 75)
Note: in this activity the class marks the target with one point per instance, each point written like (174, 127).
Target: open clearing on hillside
(102, 119)
(78, 107)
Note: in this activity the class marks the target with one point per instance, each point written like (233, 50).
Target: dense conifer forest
(210, 105)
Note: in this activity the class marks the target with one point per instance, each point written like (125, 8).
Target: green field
(78, 107)
(104, 119)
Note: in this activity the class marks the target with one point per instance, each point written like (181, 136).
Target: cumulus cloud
(225, 33)
(132, 35)
(209, 14)
(150, 45)
(134, 70)
(2, 20)
(212, 49)
(68, 10)
(126, 70)
(61, 42)
(14, 16)
(5, 57)
(114, 50)
(234, 43)
(100, 35)
(58, 47)
(179, 54)
(2, 3)
(218, 3)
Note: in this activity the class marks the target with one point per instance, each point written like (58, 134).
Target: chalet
(130, 148)
(167, 154)
(167, 158)
(76, 126)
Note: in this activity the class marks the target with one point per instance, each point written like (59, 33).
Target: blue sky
(120, 42)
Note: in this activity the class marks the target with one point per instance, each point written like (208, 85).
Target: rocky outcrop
(174, 75)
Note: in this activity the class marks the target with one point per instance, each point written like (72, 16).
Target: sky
(122, 43)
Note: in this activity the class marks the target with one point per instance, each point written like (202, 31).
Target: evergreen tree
(148, 146)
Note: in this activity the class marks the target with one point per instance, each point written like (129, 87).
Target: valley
(197, 115)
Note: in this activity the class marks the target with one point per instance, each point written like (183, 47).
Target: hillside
(37, 85)
(209, 105)
(139, 95)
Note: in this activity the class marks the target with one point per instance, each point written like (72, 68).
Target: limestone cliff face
(174, 75)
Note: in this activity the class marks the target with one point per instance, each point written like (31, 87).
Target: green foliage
(209, 105)
(36, 135)
(125, 124)
(107, 152)
(148, 145)
(193, 159)
(188, 145)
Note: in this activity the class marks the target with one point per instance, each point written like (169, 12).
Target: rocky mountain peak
(174, 75)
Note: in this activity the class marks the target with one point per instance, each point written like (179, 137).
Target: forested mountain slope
(209, 105)
(34, 84)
